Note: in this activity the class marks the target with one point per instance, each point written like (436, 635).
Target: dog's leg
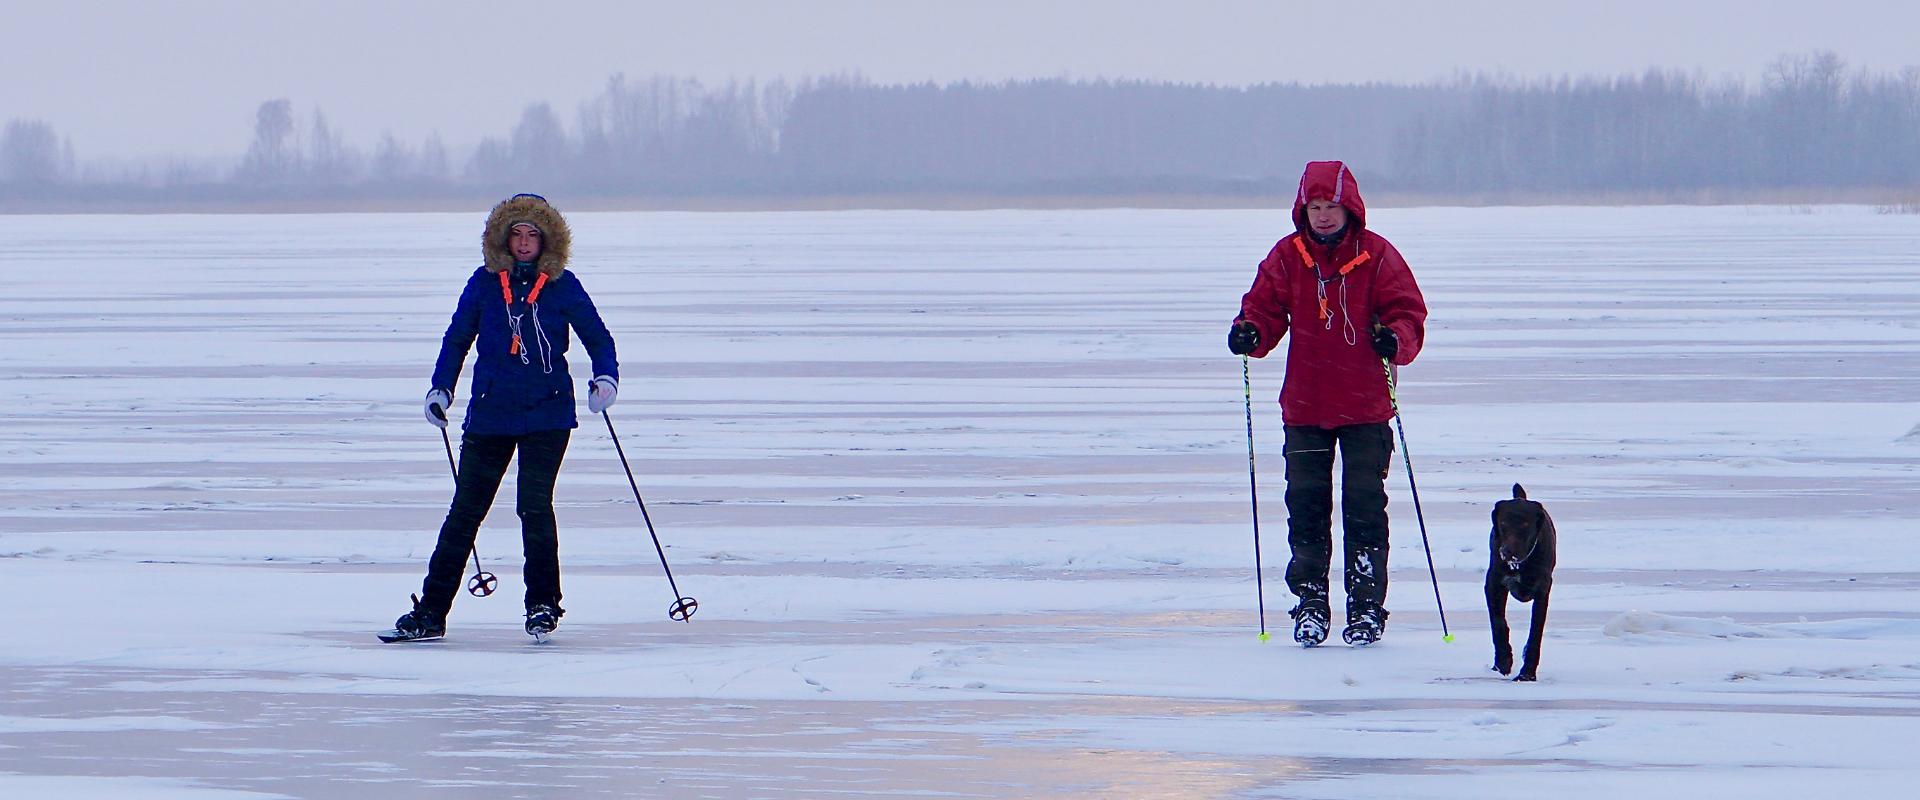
(1497, 614)
(1536, 635)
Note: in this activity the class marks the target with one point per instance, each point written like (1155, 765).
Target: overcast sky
(135, 77)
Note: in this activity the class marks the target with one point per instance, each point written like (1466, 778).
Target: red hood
(1329, 180)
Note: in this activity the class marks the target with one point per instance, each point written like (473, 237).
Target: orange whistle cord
(1323, 308)
(506, 293)
(1307, 258)
(506, 288)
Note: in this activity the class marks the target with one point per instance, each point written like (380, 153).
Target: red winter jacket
(1333, 375)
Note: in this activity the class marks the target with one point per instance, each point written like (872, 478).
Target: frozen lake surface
(963, 496)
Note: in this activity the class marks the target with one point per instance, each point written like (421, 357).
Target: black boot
(542, 619)
(1365, 625)
(420, 623)
(1310, 621)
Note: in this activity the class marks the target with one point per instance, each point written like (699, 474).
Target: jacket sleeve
(459, 337)
(1398, 304)
(593, 333)
(1266, 304)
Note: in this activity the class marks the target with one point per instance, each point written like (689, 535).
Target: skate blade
(395, 636)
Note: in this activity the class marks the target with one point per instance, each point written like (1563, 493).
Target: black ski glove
(1242, 338)
(1385, 343)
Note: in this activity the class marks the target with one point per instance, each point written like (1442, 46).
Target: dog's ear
(1519, 493)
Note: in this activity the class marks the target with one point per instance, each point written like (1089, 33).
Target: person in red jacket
(1351, 303)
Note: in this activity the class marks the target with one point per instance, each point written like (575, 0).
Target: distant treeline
(1811, 125)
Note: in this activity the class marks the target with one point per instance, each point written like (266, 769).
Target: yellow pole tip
(1447, 638)
(1263, 636)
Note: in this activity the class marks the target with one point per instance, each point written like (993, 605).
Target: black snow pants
(483, 463)
(1365, 452)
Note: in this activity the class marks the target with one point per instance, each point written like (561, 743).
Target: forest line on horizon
(1811, 130)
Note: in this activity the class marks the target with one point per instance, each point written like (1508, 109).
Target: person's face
(1325, 216)
(524, 243)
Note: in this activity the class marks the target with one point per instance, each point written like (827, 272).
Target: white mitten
(600, 393)
(436, 407)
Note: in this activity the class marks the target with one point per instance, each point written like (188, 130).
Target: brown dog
(1524, 547)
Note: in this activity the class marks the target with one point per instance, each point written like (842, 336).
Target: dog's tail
(1519, 492)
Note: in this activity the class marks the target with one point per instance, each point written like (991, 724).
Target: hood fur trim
(556, 239)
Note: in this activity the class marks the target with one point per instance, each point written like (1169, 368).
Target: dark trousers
(1365, 453)
(483, 462)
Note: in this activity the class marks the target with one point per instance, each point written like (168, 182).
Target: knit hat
(556, 240)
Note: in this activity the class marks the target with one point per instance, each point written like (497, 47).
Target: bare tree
(539, 149)
(274, 156)
(1799, 115)
(329, 160)
(393, 161)
(433, 159)
(31, 155)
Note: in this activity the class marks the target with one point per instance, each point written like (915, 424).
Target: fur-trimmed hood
(556, 239)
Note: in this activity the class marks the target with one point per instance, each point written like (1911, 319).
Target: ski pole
(1253, 486)
(1393, 394)
(483, 582)
(683, 606)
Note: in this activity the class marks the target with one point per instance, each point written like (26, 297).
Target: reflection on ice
(964, 498)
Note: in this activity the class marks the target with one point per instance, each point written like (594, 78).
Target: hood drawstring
(1351, 335)
(516, 347)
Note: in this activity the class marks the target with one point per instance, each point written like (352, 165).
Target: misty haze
(1813, 130)
(951, 371)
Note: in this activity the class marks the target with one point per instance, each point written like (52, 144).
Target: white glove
(436, 407)
(600, 393)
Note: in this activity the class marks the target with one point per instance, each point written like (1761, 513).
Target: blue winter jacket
(518, 393)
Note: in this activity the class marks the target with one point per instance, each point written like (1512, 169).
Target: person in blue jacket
(518, 308)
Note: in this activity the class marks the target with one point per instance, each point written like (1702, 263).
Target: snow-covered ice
(963, 496)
